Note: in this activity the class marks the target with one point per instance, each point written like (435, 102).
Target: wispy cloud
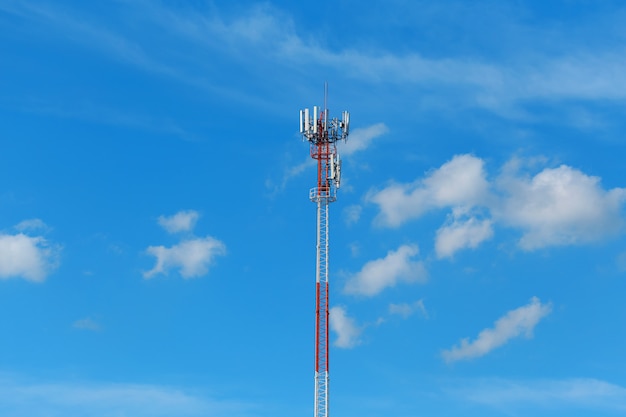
(405, 310)
(352, 214)
(32, 225)
(19, 398)
(87, 324)
(550, 394)
(359, 140)
(87, 110)
(581, 73)
(362, 138)
(289, 173)
(270, 38)
(555, 206)
(515, 323)
(396, 267)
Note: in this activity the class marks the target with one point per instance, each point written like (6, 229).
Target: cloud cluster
(32, 258)
(556, 206)
(379, 274)
(459, 182)
(518, 322)
(192, 256)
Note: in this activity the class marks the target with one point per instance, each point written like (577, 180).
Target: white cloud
(290, 173)
(362, 138)
(560, 206)
(183, 221)
(556, 394)
(518, 322)
(382, 273)
(557, 206)
(459, 182)
(31, 258)
(405, 309)
(461, 233)
(191, 257)
(87, 324)
(346, 329)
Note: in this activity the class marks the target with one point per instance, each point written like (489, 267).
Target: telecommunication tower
(322, 135)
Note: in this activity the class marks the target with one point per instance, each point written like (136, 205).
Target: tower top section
(317, 128)
(322, 133)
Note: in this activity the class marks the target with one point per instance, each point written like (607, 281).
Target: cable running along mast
(322, 135)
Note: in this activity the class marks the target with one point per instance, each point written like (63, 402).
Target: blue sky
(157, 244)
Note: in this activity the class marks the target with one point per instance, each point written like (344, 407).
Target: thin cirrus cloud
(266, 33)
(396, 267)
(518, 322)
(191, 257)
(556, 206)
(59, 398)
(87, 324)
(359, 140)
(31, 225)
(509, 396)
(352, 214)
(32, 258)
(405, 310)
(271, 32)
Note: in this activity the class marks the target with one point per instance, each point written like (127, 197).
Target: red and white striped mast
(322, 135)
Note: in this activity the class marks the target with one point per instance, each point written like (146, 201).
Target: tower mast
(322, 135)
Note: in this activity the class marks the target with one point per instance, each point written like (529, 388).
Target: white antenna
(325, 105)
(307, 121)
(338, 172)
